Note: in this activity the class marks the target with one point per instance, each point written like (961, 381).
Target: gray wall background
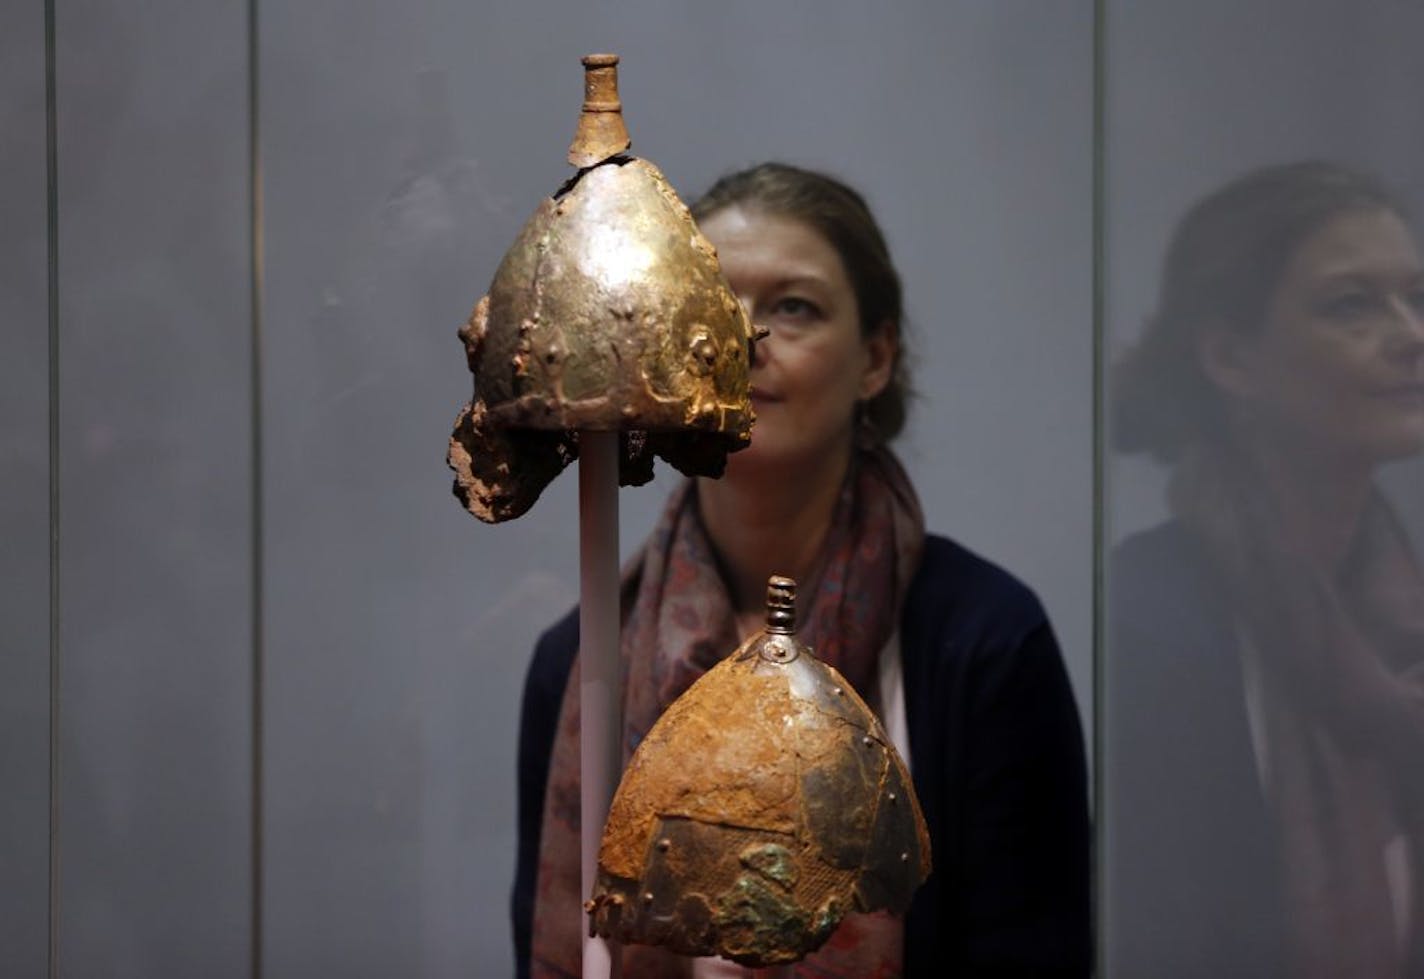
(152, 693)
(402, 147)
(24, 494)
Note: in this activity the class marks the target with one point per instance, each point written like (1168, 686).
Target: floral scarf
(1340, 655)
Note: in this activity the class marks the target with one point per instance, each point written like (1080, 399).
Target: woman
(954, 647)
(1267, 649)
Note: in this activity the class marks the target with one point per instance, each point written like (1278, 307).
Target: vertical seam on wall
(1099, 274)
(52, 274)
(255, 296)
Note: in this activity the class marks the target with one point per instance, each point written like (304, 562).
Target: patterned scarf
(678, 622)
(1341, 660)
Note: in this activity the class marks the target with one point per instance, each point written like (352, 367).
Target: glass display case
(261, 675)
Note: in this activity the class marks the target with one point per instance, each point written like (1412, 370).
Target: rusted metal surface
(609, 313)
(765, 804)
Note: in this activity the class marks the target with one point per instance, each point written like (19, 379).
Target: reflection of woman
(1266, 739)
(957, 654)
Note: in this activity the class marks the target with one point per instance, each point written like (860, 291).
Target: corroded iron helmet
(765, 804)
(609, 313)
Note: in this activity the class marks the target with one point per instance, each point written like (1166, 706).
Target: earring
(867, 436)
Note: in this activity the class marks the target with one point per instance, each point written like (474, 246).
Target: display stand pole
(600, 707)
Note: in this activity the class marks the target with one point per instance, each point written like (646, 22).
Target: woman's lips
(762, 397)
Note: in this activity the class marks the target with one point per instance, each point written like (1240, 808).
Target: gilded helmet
(609, 313)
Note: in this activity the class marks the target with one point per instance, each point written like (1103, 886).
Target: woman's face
(814, 365)
(1338, 366)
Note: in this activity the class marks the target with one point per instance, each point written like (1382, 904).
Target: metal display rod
(600, 760)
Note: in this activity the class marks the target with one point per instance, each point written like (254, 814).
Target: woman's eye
(795, 308)
(1349, 306)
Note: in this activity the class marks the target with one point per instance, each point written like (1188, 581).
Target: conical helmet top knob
(781, 605)
(601, 130)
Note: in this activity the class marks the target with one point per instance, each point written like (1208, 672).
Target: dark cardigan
(997, 754)
(1192, 886)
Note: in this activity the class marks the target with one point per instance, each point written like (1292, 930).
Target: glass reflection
(1268, 638)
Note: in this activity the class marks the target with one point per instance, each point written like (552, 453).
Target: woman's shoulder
(962, 591)
(1170, 626)
(1169, 545)
(1161, 576)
